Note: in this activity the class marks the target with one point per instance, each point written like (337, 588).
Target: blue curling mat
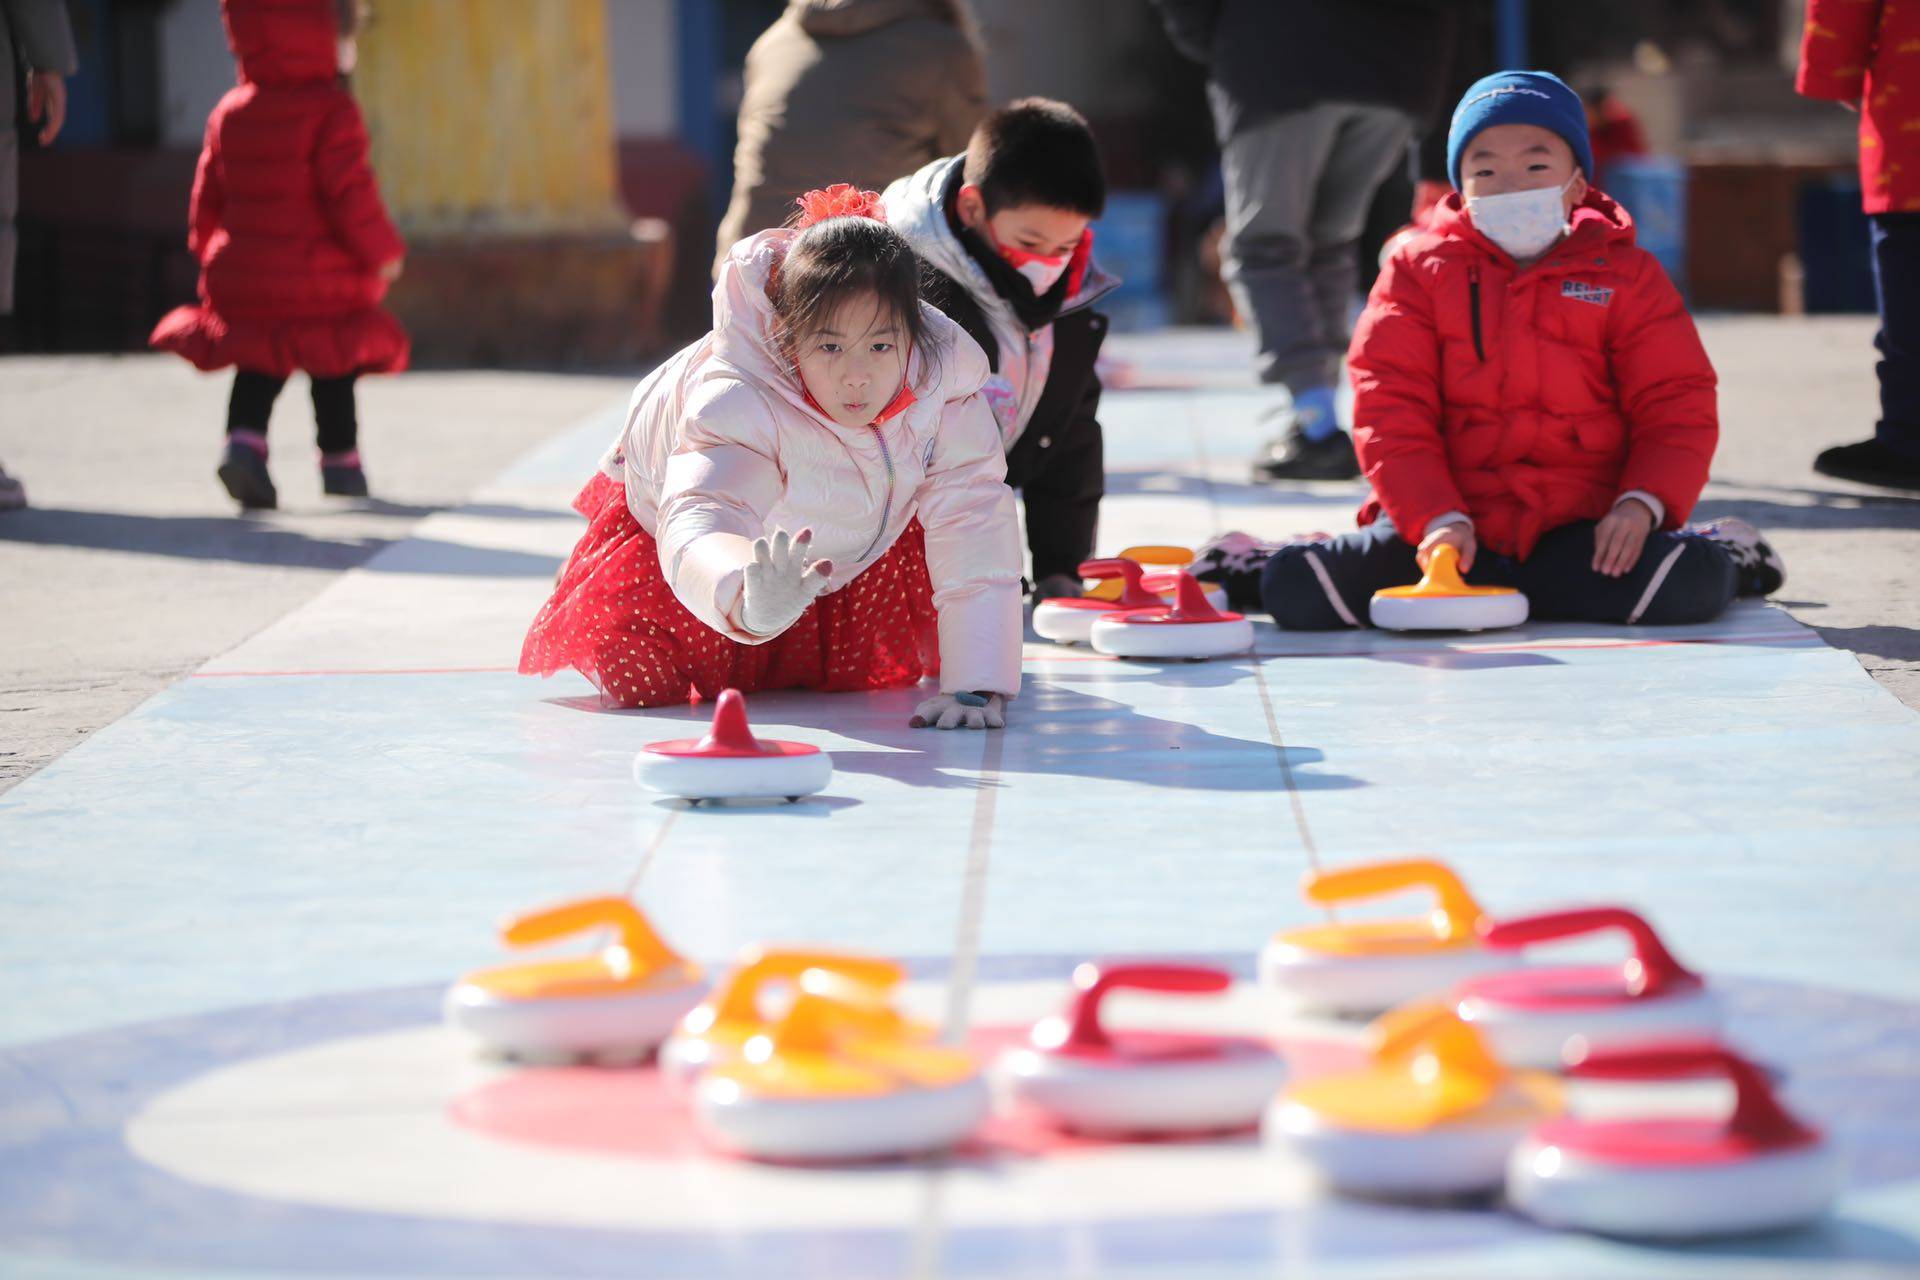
(225, 920)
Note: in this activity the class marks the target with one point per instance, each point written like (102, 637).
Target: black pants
(333, 410)
(1896, 288)
(1680, 578)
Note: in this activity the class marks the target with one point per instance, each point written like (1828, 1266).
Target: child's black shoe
(341, 476)
(1761, 571)
(244, 472)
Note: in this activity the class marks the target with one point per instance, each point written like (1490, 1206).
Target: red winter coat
(1867, 52)
(1528, 399)
(286, 217)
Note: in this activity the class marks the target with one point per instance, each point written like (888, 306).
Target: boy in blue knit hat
(1529, 390)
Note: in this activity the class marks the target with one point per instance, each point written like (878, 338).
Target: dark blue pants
(1896, 288)
(1680, 578)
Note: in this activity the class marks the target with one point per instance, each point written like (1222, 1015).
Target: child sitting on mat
(1528, 389)
(813, 496)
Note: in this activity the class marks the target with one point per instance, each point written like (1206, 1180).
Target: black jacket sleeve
(1059, 461)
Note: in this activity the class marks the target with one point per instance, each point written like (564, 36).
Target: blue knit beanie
(1520, 97)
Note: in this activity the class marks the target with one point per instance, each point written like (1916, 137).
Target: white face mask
(1041, 273)
(1524, 223)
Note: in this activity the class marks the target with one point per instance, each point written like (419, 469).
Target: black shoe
(1758, 567)
(343, 482)
(1292, 456)
(1869, 462)
(244, 472)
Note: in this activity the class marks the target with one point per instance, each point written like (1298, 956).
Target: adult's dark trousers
(1896, 289)
(251, 404)
(1680, 578)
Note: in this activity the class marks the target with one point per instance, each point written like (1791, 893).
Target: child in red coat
(1530, 390)
(1865, 55)
(295, 247)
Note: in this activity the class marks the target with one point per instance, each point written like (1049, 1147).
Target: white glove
(961, 710)
(780, 583)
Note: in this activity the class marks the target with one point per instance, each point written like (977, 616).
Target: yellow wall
(491, 115)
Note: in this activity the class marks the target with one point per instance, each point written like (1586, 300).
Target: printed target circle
(352, 1133)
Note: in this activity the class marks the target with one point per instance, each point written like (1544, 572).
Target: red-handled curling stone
(1669, 1178)
(1167, 581)
(1529, 1015)
(1070, 619)
(1089, 1078)
(729, 763)
(1192, 629)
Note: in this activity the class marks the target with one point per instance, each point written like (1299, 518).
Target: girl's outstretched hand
(781, 582)
(961, 711)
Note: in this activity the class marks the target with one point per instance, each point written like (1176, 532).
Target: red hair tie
(841, 200)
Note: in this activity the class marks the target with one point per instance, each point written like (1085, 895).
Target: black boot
(1869, 462)
(1292, 456)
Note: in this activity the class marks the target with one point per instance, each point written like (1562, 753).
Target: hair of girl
(842, 258)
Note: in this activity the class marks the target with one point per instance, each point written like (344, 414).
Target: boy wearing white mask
(1002, 232)
(1530, 390)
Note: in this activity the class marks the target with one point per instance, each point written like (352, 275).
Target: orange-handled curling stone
(614, 1006)
(1373, 965)
(1434, 1114)
(1442, 601)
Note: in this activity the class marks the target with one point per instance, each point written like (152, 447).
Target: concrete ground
(132, 569)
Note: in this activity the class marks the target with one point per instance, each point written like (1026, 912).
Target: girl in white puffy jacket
(812, 496)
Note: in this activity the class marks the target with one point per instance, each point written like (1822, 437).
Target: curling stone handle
(1652, 967)
(1159, 554)
(1455, 916)
(1132, 594)
(1757, 1113)
(730, 730)
(741, 1000)
(1443, 569)
(1414, 1030)
(1094, 982)
(643, 947)
(1190, 599)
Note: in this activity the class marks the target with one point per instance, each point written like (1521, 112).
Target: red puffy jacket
(1528, 399)
(286, 217)
(1866, 53)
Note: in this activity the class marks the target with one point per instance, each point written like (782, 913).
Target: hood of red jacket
(1596, 220)
(283, 42)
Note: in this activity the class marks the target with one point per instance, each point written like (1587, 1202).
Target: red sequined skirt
(615, 620)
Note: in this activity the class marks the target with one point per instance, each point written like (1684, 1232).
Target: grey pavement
(132, 568)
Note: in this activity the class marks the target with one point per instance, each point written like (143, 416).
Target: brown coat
(859, 91)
